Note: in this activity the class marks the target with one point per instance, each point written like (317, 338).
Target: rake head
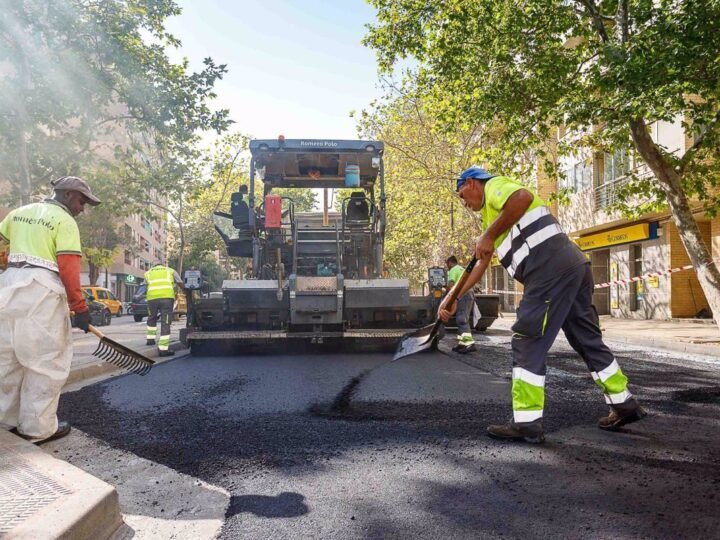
(119, 355)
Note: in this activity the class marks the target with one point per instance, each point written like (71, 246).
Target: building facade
(146, 246)
(620, 249)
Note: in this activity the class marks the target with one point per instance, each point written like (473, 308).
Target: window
(578, 177)
(147, 226)
(102, 295)
(615, 166)
(128, 257)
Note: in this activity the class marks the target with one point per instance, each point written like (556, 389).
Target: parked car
(140, 309)
(105, 296)
(99, 313)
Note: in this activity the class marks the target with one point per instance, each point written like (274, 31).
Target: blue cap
(474, 172)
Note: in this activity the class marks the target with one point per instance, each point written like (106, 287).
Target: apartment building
(619, 248)
(146, 246)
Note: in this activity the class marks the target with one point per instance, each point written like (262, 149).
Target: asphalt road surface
(246, 443)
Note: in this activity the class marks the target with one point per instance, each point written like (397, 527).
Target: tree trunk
(181, 257)
(25, 186)
(707, 272)
(93, 273)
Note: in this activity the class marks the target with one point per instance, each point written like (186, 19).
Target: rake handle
(95, 331)
(92, 329)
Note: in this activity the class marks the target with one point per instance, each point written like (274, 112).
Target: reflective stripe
(616, 399)
(507, 243)
(534, 240)
(527, 416)
(34, 261)
(528, 377)
(527, 219)
(532, 216)
(164, 343)
(608, 372)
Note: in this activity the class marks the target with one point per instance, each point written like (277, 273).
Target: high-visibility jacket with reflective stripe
(160, 282)
(39, 232)
(535, 246)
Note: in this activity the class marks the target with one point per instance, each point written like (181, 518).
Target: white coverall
(35, 349)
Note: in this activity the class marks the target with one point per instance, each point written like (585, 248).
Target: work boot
(462, 348)
(167, 353)
(62, 430)
(621, 414)
(150, 342)
(531, 432)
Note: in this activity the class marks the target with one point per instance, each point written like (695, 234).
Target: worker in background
(558, 289)
(37, 291)
(466, 343)
(161, 281)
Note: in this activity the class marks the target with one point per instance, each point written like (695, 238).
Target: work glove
(82, 321)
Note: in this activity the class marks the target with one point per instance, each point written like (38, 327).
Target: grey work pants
(561, 303)
(464, 310)
(162, 309)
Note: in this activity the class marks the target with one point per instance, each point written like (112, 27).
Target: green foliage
(530, 65)
(87, 82)
(426, 220)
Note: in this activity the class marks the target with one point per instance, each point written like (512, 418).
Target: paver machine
(314, 277)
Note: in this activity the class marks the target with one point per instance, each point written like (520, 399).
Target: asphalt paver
(411, 458)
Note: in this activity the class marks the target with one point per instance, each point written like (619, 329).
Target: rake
(119, 355)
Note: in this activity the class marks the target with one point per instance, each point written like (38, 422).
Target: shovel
(426, 338)
(420, 340)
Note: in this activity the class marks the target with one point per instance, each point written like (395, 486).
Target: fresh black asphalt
(411, 458)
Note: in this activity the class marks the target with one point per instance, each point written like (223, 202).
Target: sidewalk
(44, 497)
(695, 336)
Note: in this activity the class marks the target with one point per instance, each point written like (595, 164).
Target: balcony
(607, 194)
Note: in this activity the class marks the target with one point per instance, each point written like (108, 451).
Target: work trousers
(162, 309)
(35, 350)
(462, 318)
(546, 308)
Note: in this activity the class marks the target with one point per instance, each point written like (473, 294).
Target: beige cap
(73, 183)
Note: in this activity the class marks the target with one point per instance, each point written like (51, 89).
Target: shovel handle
(453, 295)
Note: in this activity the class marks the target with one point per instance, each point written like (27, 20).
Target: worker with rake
(37, 291)
(558, 289)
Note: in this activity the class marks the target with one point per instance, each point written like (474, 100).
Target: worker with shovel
(558, 288)
(41, 282)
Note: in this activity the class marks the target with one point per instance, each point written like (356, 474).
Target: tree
(615, 64)
(79, 75)
(426, 220)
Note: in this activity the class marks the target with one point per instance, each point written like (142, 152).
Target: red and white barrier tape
(644, 276)
(615, 282)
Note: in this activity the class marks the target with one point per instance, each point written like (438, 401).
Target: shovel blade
(422, 339)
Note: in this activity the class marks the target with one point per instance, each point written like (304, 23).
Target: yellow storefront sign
(632, 233)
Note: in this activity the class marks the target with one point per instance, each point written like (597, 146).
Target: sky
(296, 67)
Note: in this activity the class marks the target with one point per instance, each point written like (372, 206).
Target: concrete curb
(99, 369)
(50, 498)
(663, 345)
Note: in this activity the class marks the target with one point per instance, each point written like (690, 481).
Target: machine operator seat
(240, 211)
(357, 213)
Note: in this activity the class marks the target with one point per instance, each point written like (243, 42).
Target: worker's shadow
(284, 505)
